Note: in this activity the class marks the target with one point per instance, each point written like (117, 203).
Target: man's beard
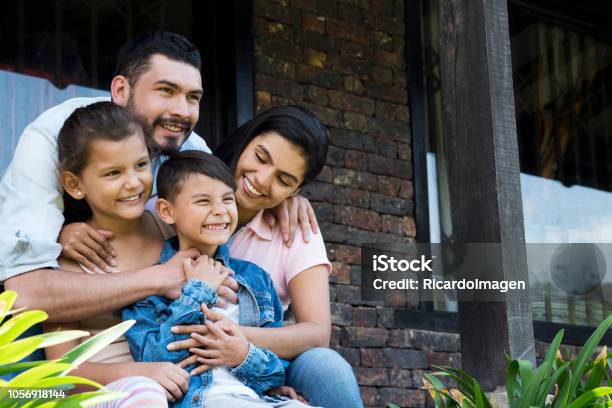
(168, 149)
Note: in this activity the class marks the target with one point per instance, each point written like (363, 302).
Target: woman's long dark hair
(294, 123)
(100, 120)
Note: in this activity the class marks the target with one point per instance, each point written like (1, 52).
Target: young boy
(196, 194)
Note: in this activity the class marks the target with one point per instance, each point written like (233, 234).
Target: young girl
(105, 172)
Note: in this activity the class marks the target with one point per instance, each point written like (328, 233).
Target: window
(562, 82)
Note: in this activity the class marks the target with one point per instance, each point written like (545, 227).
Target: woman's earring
(78, 193)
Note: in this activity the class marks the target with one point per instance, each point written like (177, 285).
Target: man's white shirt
(31, 204)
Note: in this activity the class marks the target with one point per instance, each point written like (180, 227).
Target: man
(157, 78)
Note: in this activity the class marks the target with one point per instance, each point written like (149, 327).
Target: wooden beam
(484, 178)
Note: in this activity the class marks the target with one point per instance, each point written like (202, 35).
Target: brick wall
(345, 61)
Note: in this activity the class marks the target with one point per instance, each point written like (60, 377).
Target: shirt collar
(171, 246)
(260, 227)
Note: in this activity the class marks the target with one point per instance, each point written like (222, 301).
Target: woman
(272, 157)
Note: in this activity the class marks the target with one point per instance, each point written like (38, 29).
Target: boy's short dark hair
(135, 56)
(179, 166)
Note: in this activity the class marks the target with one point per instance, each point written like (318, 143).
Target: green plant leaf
(14, 327)
(518, 376)
(10, 368)
(59, 337)
(586, 352)
(7, 300)
(441, 395)
(562, 396)
(547, 385)
(465, 382)
(17, 350)
(29, 377)
(479, 397)
(589, 396)
(532, 389)
(65, 380)
(598, 371)
(91, 346)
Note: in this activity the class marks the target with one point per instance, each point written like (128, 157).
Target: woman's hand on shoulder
(173, 378)
(292, 211)
(88, 246)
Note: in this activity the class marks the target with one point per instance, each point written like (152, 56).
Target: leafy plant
(576, 383)
(52, 374)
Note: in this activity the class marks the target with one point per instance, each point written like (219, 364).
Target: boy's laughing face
(204, 212)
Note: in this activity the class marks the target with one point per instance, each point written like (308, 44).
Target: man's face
(168, 97)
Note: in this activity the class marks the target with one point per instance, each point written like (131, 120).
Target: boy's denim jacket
(259, 304)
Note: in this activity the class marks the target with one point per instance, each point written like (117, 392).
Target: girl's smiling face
(269, 170)
(116, 182)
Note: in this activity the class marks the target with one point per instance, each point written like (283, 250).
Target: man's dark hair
(296, 124)
(135, 56)
(173, 172)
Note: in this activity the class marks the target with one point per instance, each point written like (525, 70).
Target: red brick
(382, 75)
(356, 121)
(347, 31)
(356, 160)
(357, 198)
(312, 22)
(401, 378)
(400, 338)
(385, 317)
(404, 151)
(336, 336)
(372, 357)
(357, 217)
(352, 103)
(346, 253)
(340, 273)
(392, 224)
(393, 111)
(409, 227)
(369, 396)
(389, 186)
(389, 93)
(406, 189)
(364, 316)
(355, 179)
(264, 101)
(315, 94)
(340, 314)
(402, 397)
(386, 166)
(404, 358)
(351, 355)
(315, 58)
(354, 85)
(364, 337)
(372, 376)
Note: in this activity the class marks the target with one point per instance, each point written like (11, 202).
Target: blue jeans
(325, 379)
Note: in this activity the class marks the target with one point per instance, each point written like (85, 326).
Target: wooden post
(484, 178)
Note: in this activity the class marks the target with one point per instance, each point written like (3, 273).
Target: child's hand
(207, 270)
(171, 377)
(227, 347)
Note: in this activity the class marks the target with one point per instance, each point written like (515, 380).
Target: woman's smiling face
(269, 170)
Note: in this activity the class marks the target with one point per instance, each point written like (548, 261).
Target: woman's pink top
(257, 242)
